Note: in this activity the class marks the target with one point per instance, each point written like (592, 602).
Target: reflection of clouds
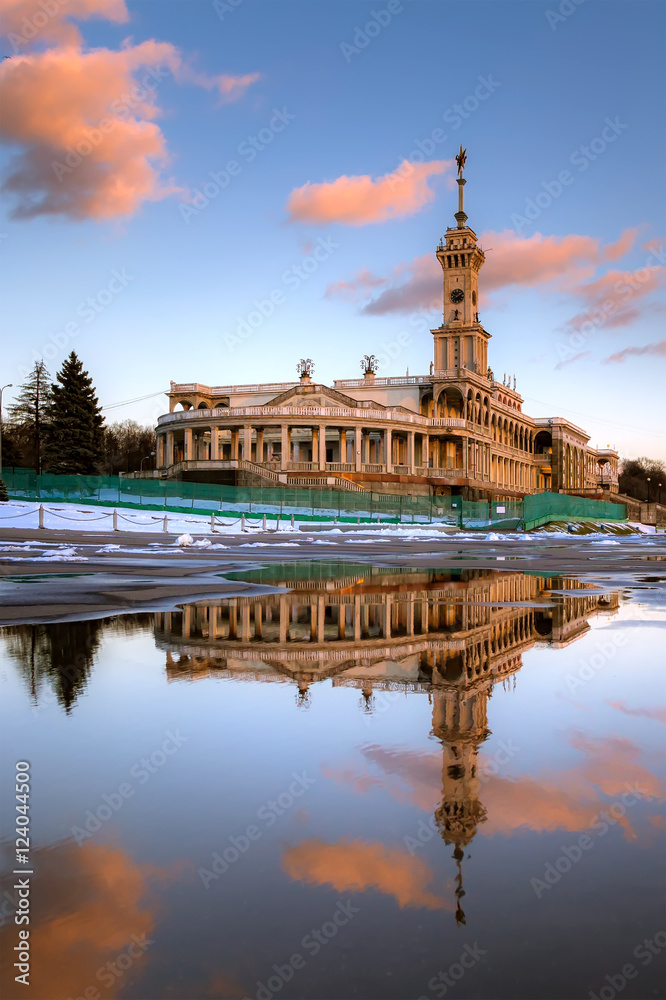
(354, 866)
(411, 778)
(568, 799)
(659, 714)
(87, 903)
(571, 799)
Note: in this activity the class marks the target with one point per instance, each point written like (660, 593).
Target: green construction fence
(307, 504)
(540, 508)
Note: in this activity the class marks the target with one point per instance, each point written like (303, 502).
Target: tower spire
(460, 216)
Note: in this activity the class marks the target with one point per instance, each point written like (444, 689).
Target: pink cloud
(233, 87)
(658, 713)
(230, 88)
(357, 287)
(83, 123)
(355, 866)
(571, 361)
(567, 799)
(415, 286)
(558, 264)
(53, 104)
(26, 22)
(613, 300)
(356, 201)
(558, 260)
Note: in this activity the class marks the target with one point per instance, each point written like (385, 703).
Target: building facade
(457, 430)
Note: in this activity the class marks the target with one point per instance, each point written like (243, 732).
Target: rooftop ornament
(369, 364)
(305, 368)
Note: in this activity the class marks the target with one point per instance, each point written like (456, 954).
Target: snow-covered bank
(80, 517)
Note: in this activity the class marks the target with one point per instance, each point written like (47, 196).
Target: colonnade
(520, 464)
(323, 619)
(324, 448)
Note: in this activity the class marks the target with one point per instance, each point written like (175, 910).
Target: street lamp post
(9, 385)
(152, 455)
(648, 488)
(659, 494)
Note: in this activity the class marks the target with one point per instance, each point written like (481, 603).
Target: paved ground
(53, 575)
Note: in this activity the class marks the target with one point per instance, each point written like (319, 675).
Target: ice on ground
(63, 554)
(273, 545)
(185, 540)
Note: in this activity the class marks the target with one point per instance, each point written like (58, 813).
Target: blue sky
(550, 83)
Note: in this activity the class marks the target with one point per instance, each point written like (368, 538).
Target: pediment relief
(305, 396)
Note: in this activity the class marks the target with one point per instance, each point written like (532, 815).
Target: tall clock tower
(461, 341)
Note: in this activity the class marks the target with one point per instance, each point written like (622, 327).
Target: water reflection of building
(453, 635)
(377, 629)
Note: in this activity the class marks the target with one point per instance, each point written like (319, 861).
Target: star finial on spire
(461, 160)
(460, 216)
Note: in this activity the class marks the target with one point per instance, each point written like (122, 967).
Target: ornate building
(456, 430)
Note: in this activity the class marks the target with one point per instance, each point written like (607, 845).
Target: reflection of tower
(367, 699)
(304, 697)
(460, 722)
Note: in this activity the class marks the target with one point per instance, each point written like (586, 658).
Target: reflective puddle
(372, 783)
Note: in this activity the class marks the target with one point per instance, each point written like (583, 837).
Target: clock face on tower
(457, 295)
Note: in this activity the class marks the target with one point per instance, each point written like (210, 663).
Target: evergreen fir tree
(4, 495)
(74, 444)
(30, 413)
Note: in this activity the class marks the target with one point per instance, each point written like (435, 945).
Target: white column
(188, 444)
(284, 619)
(358, 440)
(286, 445)
(321, 619)
(247, 443)
(245, 621)
(388, 447)
(322, 449)
(214, 444)
(410, 451)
